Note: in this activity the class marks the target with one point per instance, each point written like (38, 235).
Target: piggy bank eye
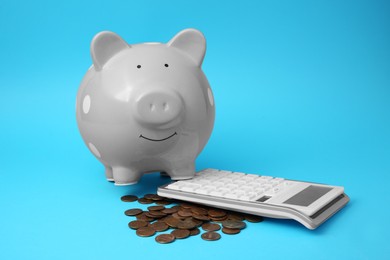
(166, 65)
(138, 66)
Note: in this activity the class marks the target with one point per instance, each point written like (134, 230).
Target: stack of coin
(186, 219)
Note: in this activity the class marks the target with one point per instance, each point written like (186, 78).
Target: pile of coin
(186, 219)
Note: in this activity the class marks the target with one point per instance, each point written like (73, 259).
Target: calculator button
(259, 191)
(246, 188)
(225, 172)
(279, 180)
(187, 188)
(231, 186)
(218, 183)
(230, 196)
(209, 187)
(266, 186)
(247, 196)
(273, 191)
(250, 175)
(217, 193)
(240, 182)
(260, 181)
(244, 197)
(202, 191)
(224, 190)
(238, 192)
(173, 187)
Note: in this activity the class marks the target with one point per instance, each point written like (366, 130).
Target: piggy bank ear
(192, 43)
(104, 46)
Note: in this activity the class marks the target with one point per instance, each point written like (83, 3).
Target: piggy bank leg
(164, 174)
(109, 174)
(182, 172)
(125, 176)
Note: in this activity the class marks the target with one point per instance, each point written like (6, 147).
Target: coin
(136, 224)
(186, 205)
(157, 197)
(200, 217)
(163, 202)
(155, 214)
(231, 231)
(159, 226)
(170, 210)
(155, 208)
(153, 197)
(145, 232)
(143, 217)
(211, 227)
(220, 219)
(177, 216)
(238, 217)
(233, 224)
(211, 236)
(184, 213)
(200, 211)
(185, 218)
(165, 238)
(215, 213)
(253, 218)
(129, 198)
(145, 201)
(194, 232)
(149, 196)
(197, 222)
(180, 233)
(186, 224)
(171, 221)
(133, 212)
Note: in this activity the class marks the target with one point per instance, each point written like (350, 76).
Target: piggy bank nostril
(165, 106)
(152, 107)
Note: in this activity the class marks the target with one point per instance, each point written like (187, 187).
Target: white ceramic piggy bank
(146, 107)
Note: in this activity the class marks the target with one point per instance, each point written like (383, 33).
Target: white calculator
(308, 203)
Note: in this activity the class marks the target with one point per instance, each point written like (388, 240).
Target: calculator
(309, 203)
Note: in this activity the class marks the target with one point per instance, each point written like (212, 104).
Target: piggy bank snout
(158, 107)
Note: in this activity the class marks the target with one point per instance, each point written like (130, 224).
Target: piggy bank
(146, 107)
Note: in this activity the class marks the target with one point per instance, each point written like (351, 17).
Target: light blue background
(302, 91)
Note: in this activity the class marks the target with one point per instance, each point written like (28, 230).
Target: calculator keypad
(232, 185)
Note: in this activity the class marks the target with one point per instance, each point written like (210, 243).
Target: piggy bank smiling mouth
(157, 140)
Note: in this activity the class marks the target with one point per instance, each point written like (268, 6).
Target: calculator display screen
(308, 195)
